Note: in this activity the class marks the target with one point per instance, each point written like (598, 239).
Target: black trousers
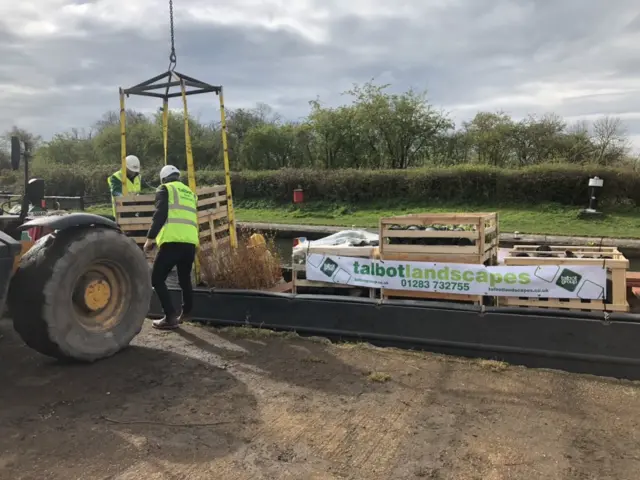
(170, 255)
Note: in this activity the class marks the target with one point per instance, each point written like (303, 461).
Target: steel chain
(172, 55)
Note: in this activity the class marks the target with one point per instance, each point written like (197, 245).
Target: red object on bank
(36, 233)
(298, 195)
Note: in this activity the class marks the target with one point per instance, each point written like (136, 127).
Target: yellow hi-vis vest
(132, 187)
(182, 221)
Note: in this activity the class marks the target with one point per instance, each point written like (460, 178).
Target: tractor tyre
(80, 294)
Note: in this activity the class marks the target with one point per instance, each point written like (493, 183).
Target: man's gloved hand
(148, 245)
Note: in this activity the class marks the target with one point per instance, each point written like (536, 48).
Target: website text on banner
(548, 281)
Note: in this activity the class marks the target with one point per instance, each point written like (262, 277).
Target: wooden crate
(609, 257)
(134, 212)
(479, 246)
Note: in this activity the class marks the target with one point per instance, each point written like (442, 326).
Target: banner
(548, 281)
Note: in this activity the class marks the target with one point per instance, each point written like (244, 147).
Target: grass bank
(547, 219)
(550, 219)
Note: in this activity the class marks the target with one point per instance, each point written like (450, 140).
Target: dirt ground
(207, 404)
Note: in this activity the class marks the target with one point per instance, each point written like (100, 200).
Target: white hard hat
(133, 163)
(167, 171)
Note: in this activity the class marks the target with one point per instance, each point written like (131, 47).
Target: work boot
(184, 317)
(166, 323)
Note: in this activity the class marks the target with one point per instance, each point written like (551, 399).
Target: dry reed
(252, 267)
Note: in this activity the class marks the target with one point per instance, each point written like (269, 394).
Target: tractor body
(74, 285)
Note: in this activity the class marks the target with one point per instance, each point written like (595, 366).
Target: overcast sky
(62, 61)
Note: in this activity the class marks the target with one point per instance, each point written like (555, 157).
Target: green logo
(568, 280)
(329, 267)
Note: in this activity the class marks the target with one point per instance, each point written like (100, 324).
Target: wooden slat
(135, 227)
(208, 190)
(574, 248)
(212, 214)
(429, 249)
(214, 210)
(444, 258)
(429, 234)
(439, 218)
(432, 295)
(136, 198)
(619, 286)
(632, 279)
(580, 255)
(135, 208)
(429, 221)
(212, 200)
(207, 232)
(140, 225)
(593, 262)
(134, 220)
(357, 252)
(281, 287)
(314, 283)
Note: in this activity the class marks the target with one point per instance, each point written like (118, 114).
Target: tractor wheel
(80, 294)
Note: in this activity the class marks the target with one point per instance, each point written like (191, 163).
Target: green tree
(404, 128)
(374, 129)
(490, 135)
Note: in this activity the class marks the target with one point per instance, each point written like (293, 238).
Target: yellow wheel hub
(99, 297)
(97, 294)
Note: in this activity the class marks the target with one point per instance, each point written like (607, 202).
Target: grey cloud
(468, 52)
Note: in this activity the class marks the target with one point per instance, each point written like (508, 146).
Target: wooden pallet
(609, 257)
(134, 212)
(477, 246)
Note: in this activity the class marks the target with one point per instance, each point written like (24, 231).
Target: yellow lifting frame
(175, 79)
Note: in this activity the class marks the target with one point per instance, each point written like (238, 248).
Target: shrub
(252, 267)
(466, 184)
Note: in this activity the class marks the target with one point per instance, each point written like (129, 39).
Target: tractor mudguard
(62, 222)
(9, 248)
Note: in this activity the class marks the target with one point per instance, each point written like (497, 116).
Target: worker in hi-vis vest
(174, 228)
(133, 180)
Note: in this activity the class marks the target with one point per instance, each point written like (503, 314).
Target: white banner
(548, 281)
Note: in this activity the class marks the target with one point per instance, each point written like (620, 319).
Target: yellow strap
(190, 168)
(187, 140)
(233, 239)
(123, 142)
(165, 127)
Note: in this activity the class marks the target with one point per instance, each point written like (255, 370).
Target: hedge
(472, 185)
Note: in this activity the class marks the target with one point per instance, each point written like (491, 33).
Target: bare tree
(610, 138)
